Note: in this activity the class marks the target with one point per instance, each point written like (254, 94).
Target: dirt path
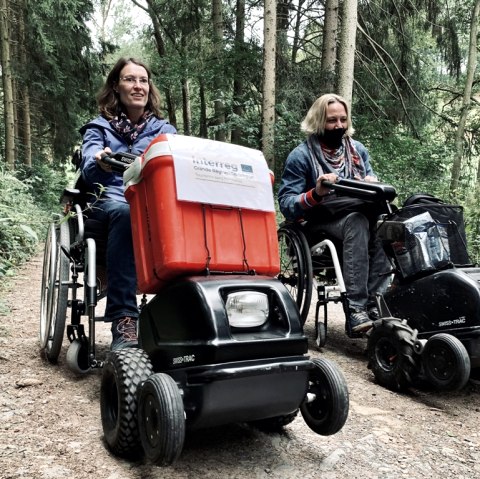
(50, 420)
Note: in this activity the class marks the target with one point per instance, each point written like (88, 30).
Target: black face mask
(332, 138)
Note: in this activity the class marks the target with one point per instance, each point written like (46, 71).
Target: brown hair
(108, 100)
(316, 117)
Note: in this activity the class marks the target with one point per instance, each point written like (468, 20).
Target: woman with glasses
(129, 120)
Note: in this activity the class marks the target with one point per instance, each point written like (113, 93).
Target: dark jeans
(122, 278)
(364, 261)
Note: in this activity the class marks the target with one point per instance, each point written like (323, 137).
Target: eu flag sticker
(246, 168)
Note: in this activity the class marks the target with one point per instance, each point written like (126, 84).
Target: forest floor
(50, 423)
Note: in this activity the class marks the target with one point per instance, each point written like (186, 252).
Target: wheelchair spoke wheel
(54, 300)
(161, 419)
(48, 284)
(296, 268)
(123, 372)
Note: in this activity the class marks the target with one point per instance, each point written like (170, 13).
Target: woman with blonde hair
(329, 153)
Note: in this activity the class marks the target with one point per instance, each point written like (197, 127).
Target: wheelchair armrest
(68, 195)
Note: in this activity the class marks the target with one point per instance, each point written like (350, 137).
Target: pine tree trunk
(268, 103)
(219, 107)
(329, 47)
(9, 110)
(238, 109)
(347, 49)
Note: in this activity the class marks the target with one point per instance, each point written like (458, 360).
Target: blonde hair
(316, 118)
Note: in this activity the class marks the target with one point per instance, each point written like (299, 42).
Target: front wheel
(391, 354)
(123, 372)
(446, 362)
(325, 408)
(161, 419)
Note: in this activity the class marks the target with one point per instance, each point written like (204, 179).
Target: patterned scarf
(127, 129)
(344, 161)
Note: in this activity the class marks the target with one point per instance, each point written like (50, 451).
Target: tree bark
(268, 103)
(219, 107)
(466, 102)
(347, 49)
(9, 110)
(329, 47)
(25, 123)
(238, 84)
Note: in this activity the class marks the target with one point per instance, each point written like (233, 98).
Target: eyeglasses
(133, 80)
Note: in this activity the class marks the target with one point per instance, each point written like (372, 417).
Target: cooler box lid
(211, 172)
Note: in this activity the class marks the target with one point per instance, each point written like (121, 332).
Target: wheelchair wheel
(161, 419)
(296, 268)
(325, 408)
(446, 362)
(54, 297)
(123, 372)
(77, 356)
(391, 354)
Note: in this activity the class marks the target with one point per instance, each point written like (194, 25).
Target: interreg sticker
(214, 172)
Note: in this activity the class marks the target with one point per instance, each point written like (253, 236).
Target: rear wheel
(296, 268)
(391, 354)
(161, 419)
(325, 408)
(54, 298)
(446, 362)
(123, 372)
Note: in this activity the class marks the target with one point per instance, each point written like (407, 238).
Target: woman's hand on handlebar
(99, 157)
(320, 188)
(371, 179)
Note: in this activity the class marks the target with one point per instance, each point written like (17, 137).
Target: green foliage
(25, 204)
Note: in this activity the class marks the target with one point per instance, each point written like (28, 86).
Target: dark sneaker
(373, 313)
(124, 333)
(359, 320)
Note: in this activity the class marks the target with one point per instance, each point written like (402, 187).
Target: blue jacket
(98, 134)
(300, 177)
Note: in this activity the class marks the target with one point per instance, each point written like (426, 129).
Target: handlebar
(362, 189)
(118, 161)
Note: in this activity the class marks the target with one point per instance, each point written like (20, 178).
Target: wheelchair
(429, 325)
(310, 260)
(74, 276)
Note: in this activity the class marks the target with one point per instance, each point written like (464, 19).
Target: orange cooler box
(174, 237)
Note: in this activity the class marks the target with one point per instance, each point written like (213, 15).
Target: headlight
(247, 309)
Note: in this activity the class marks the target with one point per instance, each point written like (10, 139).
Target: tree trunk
(187, 112)
(219, 107)
(203, 110)
(9, 111)
(268, 103)
(329, 47)
(296, 30)
(25, 124)
(466, 102)
(238, 86)
(347, 49)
